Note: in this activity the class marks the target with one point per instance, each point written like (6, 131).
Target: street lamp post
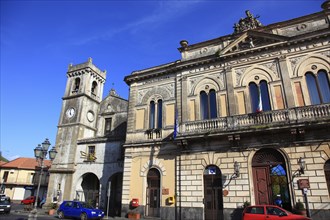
(40, 154)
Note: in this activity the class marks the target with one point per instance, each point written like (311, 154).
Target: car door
(275, 213)
(254, 213)
(67, 209)
(76, 209)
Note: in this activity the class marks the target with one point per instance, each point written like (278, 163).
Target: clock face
(90, 116)
(70, 112)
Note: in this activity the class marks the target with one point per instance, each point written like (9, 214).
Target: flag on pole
(259, 109)
(176, 124)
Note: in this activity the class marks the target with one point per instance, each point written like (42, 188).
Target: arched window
(254, 95)
(208, 105)
(323, 82)
(76, 85)
(259, 96)
(152, 115)
(264, 96)
(160, 113)
(312, 89)
(318, 87)
(213, 104)
(94, 87)
(156, 114)
(204, 105)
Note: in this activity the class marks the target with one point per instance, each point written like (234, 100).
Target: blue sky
(39, 39)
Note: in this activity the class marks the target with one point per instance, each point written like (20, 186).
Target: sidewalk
(40, 212)
(44, 212)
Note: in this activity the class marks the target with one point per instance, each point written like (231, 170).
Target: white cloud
(164, 11)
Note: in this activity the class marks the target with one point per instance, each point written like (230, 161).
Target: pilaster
(287, 88)
(230, 91)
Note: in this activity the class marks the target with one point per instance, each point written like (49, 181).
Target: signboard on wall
(165, 191)
(303, 184)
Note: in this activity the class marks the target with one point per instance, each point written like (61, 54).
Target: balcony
(285, 117)
(154, 133)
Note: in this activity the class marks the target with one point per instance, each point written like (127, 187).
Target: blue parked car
(77, 209)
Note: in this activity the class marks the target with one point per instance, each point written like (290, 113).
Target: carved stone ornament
(301, 27)
(141, 94)
(273, 67)
(294, 62)
(164, 92)
(239, 74)
(247, 23)
(221, 78)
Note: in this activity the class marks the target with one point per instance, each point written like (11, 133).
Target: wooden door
(261, 185)
(153, 201)
(213, 201)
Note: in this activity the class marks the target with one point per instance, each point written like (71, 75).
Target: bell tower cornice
(85, 68)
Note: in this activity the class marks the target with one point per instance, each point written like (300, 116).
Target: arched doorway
(270, 178)
(115, 194)
(327, 174)
(90, 186)
(153, 193)
(213, 199)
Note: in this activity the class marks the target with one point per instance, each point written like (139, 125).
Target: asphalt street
(18, 213)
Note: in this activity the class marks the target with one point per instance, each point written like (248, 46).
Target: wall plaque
(303, 183)
(165, 191)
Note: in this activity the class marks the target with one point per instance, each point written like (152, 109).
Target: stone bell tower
(81, 100)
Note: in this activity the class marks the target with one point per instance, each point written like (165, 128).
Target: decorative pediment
(252, 39)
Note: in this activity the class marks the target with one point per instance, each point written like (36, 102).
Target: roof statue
(247, 23)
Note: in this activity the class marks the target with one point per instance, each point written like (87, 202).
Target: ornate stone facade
(214, 108)
(232, 122)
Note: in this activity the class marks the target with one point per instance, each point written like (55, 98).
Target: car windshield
(87, 206)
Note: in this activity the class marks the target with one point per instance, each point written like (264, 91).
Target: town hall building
(240, 119)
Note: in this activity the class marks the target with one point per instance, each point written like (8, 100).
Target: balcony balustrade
(269, 118)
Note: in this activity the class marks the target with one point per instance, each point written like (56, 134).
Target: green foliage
(299, 205)
(2, 158)
(53, 205)
(246, 204)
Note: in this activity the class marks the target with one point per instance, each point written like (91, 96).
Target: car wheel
(60, 215)
(83, 216)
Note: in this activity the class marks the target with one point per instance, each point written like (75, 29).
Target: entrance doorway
(213, 198)
(153, 193)
(115, 194)
(270, 178)
(90, 189)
